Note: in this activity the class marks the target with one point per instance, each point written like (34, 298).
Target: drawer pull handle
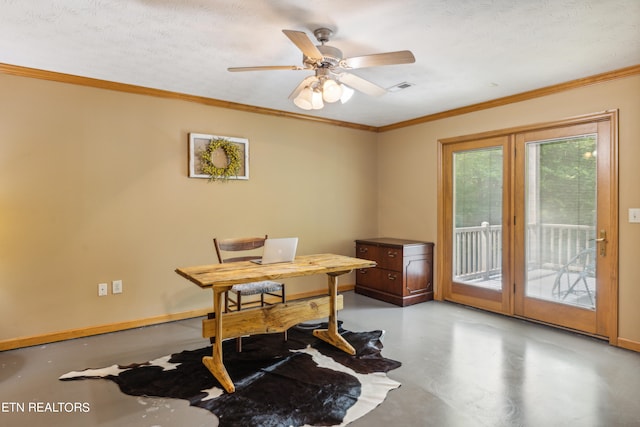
(391, 276)
(362, 271)
(391, 254)
(364, 250)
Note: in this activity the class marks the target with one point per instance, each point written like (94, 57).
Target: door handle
(602, 240)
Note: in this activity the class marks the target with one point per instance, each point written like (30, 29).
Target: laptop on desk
(278, 250)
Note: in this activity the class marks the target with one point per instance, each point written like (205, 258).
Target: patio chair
(573, 277)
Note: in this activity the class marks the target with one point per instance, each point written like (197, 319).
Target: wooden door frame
(444, 202)
(485, 299)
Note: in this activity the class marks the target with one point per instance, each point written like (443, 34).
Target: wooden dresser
(404, 272)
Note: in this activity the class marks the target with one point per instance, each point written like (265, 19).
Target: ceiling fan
(331, 81)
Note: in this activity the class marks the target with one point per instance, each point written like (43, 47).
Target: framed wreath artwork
(218, 158)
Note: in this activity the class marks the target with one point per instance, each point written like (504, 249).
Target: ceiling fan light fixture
(331, 91)
(331, 68)
(304, 99)
(316, 100)
(347, 93)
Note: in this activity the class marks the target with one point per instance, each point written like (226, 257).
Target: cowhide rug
(303, 381)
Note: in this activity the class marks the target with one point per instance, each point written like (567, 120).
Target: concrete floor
(461, 367)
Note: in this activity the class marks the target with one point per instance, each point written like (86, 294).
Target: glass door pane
(560, 210)
(477, 217)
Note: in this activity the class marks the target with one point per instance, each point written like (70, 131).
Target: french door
(478, 230)
(528, 223)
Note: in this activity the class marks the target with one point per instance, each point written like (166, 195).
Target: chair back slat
(237, 245)
(241, 258)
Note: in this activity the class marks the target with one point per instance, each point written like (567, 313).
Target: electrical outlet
(116, 287)
(634, 215)
(103, 289)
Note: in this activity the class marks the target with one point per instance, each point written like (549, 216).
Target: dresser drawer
(381, 280)
(368, 277)
(390, 258)
(370, 252)
(390, 281)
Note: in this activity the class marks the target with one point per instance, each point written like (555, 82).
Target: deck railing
(478, 250)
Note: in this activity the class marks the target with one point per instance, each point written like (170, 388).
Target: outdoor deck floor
(549, 285)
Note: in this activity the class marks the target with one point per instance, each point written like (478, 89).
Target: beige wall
(408, 164)
(94, 187)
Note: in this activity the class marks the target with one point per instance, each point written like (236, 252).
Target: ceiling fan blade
(375, 60)
(362, 85)
(304, 43)
(267, 68)
(304, 83)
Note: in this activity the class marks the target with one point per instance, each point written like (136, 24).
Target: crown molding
(140, 90)
(35, 73)
(524, 96)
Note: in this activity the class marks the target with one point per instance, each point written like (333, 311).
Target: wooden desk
(275, 318)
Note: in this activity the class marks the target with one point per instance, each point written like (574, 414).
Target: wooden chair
(243, 249)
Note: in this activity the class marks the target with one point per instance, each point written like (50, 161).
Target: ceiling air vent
(400, 86)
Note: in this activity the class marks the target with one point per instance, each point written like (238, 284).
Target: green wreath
(231, 151)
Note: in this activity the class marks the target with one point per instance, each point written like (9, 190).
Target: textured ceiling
(467, 51)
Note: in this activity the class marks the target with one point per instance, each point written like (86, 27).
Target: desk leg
(214, 362)
(331, 334)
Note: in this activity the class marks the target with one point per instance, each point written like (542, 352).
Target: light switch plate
(634, 215)
(116, 286)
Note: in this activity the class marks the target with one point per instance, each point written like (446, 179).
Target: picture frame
(198, 143)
